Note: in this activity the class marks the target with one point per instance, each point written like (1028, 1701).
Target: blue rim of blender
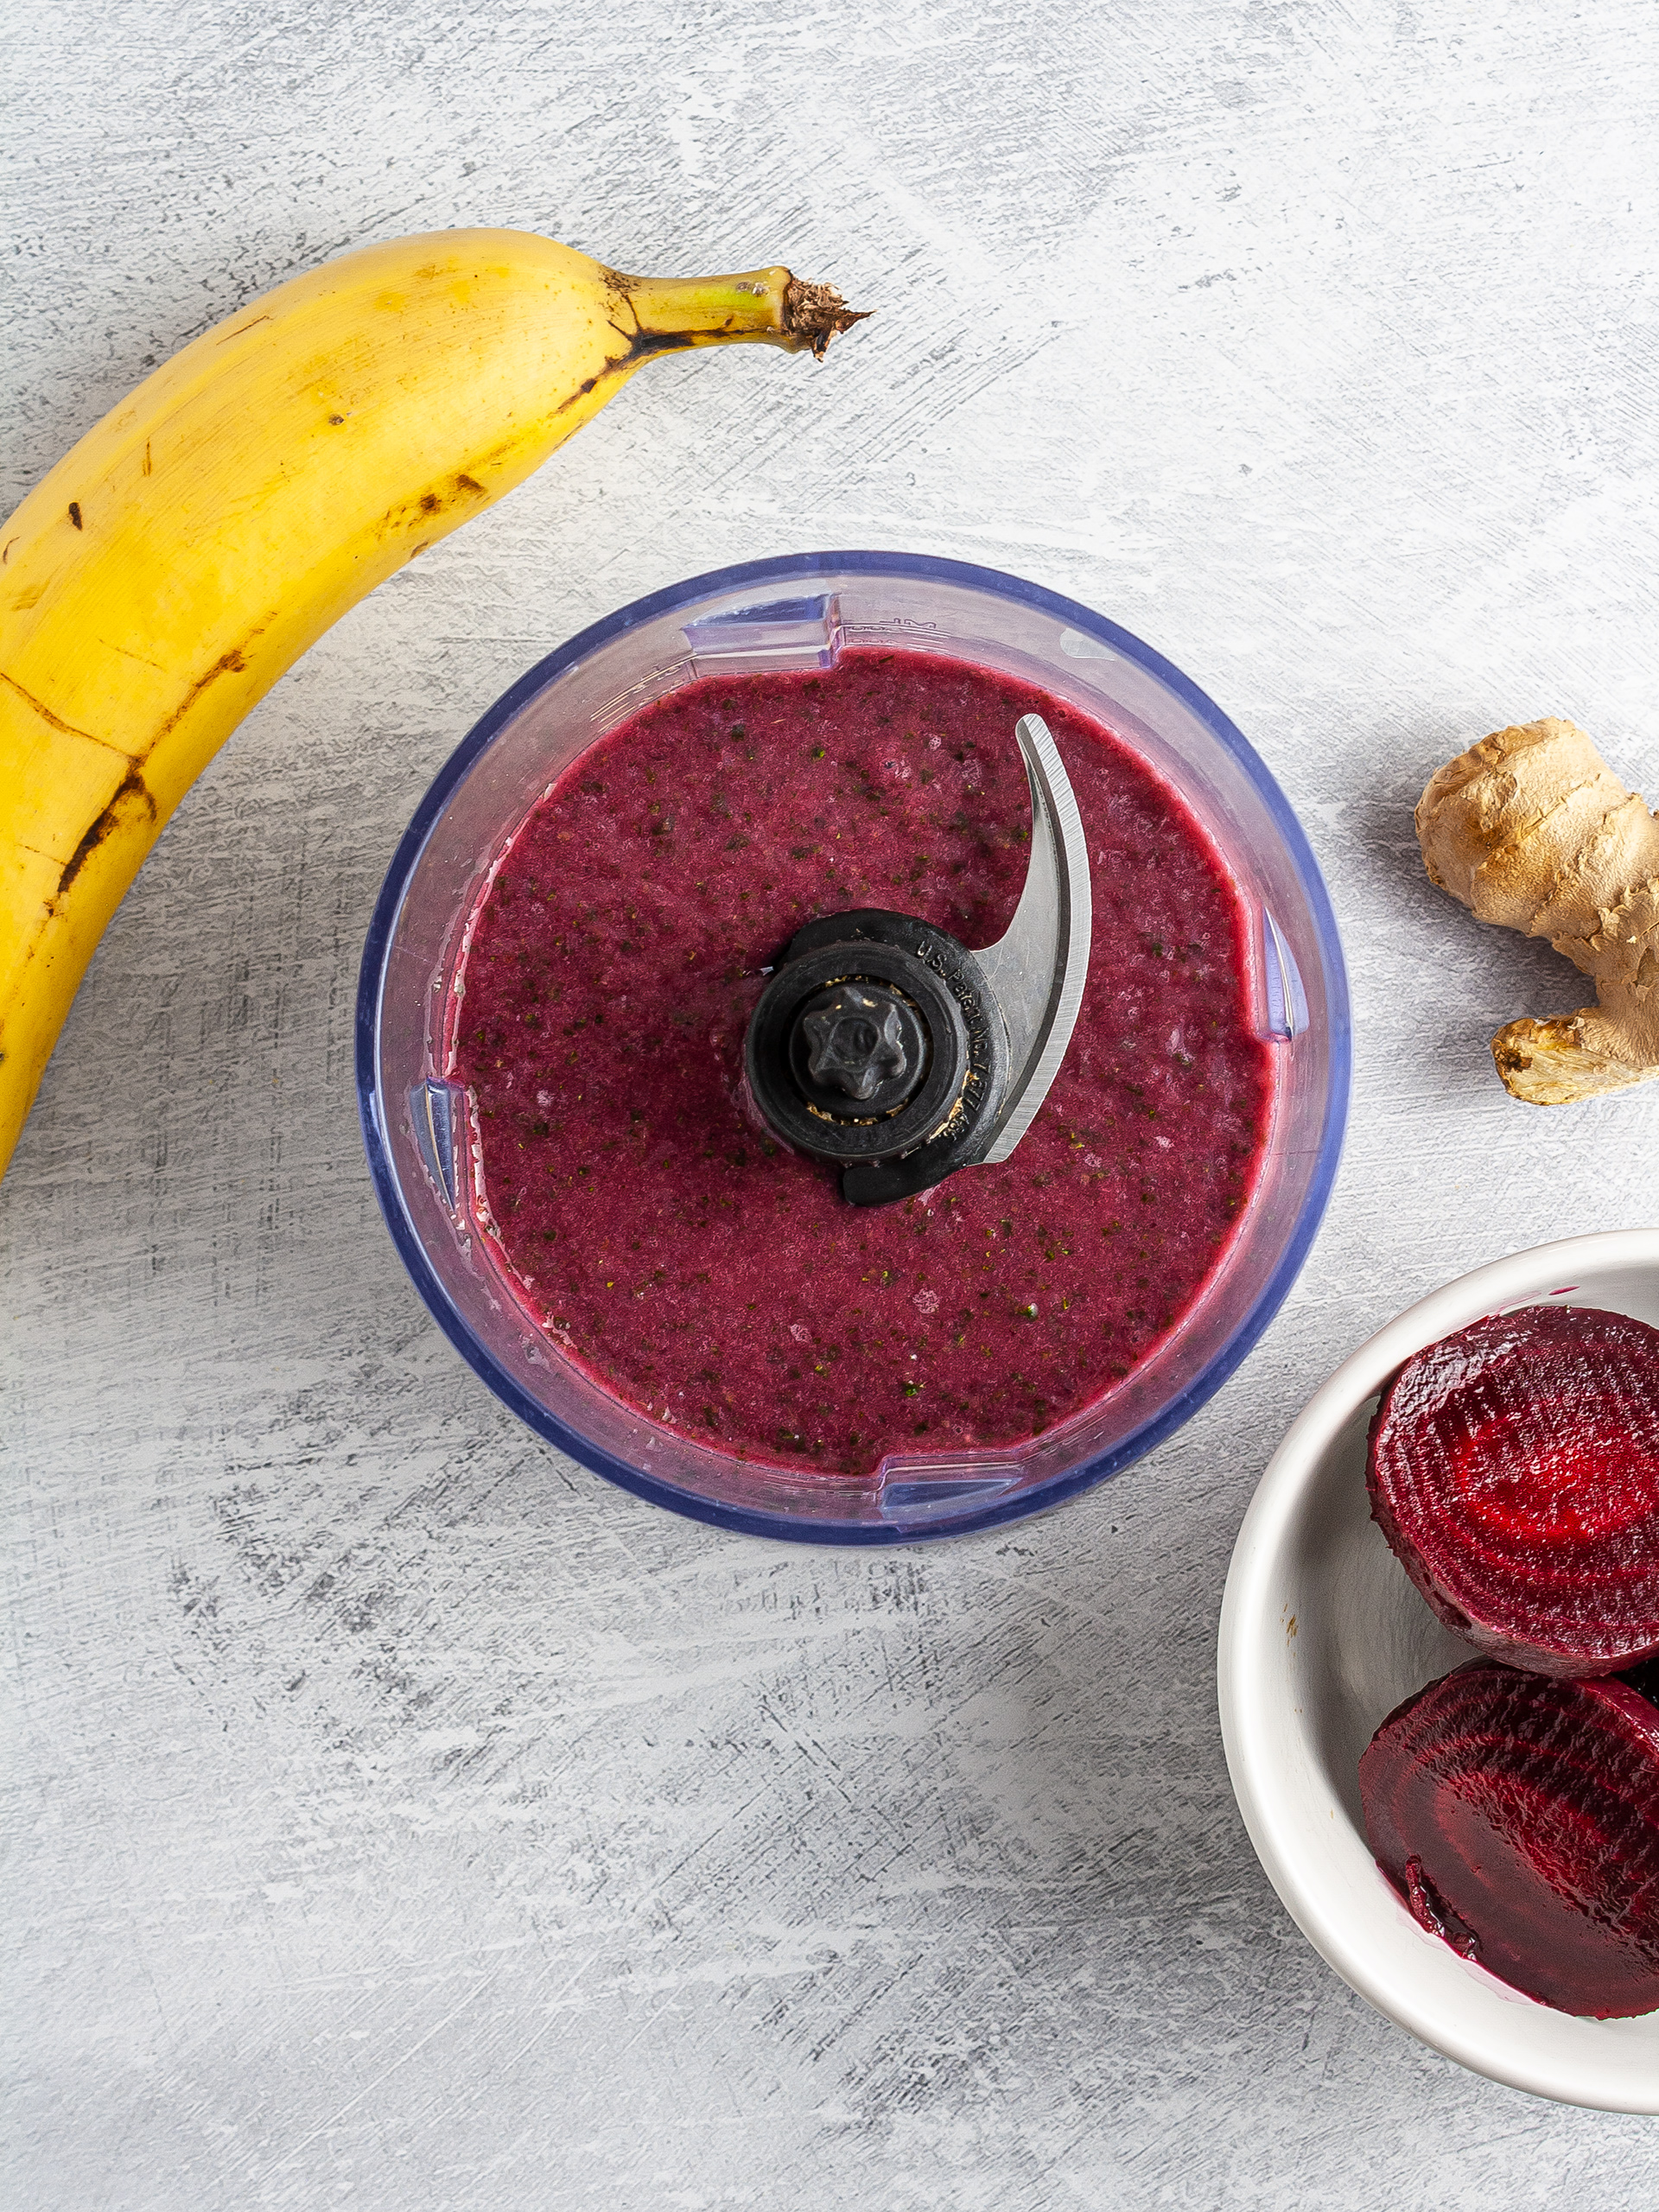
(802, 1528)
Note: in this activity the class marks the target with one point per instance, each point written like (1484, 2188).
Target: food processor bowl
(799, 612)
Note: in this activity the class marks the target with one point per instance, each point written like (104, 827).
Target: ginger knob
(1530, 828)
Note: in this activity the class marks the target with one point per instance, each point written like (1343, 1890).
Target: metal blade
(1037, 970)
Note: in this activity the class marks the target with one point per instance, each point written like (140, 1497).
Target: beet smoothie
(657, 1231)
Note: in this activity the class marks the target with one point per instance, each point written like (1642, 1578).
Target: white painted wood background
(400, 1818)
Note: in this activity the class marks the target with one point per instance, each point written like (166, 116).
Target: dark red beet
(1515, 1470)
(1518, 1816)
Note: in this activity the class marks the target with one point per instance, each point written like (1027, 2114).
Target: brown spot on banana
(581, 392)
(127, 653)
(131, 787)
(57, 722)
(74, 514)
(231, 664)
(640, 347)
(459, 488)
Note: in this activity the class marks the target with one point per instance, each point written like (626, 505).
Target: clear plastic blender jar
(799, 612)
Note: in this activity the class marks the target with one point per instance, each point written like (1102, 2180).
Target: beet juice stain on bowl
(696, 1269)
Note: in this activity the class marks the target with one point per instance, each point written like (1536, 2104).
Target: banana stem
(768, 304)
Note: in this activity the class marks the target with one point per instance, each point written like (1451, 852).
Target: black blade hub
(877, 1045)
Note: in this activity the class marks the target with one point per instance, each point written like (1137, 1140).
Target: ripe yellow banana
(216, 523)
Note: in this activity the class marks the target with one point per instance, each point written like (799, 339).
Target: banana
(214, 525)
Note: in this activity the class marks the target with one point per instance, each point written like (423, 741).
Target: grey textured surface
(398, 1817)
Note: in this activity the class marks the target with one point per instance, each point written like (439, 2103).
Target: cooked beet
(1515, 1470)
(1518, 1816)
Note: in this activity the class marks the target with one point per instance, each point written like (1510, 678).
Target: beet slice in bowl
(1518, 1816)
(1514, 1468)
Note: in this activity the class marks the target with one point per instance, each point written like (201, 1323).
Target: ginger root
(1531, 829)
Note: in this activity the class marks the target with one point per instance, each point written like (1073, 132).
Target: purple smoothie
(711, 1278)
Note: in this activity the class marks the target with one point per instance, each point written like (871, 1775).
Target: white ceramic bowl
(1322, 1636)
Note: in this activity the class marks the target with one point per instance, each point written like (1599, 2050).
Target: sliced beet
(1515, 1470)
(1518, 1816)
